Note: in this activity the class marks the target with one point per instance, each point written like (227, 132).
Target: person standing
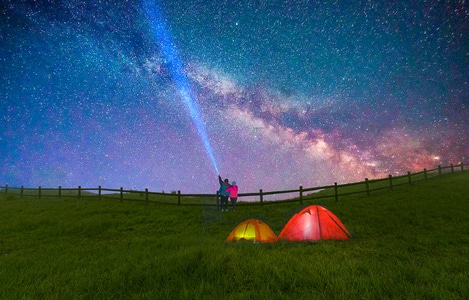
(233, 190)
(223, 193)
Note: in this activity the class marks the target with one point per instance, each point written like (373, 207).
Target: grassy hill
(411, 243)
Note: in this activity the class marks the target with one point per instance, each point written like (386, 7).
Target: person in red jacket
(233, 190)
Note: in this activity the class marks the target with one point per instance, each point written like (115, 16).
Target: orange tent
(314, 223)
(252, 230)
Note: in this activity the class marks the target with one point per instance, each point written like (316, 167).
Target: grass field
(411, 243)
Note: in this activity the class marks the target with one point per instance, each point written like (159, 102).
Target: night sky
(290, 92)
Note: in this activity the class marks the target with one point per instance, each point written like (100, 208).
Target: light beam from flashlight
(176, 68)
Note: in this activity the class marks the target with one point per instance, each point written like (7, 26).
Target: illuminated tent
(252, 230)
(314, 223)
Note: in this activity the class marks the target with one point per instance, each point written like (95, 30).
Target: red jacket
(233, 190)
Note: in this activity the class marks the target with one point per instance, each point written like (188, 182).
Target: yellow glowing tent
(252, 230)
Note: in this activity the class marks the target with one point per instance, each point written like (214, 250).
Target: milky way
(291, 93)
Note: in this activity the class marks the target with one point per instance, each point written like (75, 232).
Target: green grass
(411, 243)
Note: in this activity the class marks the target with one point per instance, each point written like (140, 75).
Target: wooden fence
(176, 198)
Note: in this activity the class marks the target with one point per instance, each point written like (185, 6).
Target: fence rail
(176, 198)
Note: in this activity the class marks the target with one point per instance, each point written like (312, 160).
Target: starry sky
(290, 92)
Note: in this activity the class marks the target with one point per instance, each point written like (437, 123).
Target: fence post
(301, 194)
(452, 168)
(367, 185)
(122, 193)
(79, 192)
(22, 191)
(179, 197)
(439, 169)
(261, 197)
(39, 192)
(218, 200)
(425, 174)
(146, 195)
(60, 192)
(462, 167)
(390, 182)
(336, 192)
(410, 178)
(6, 188)
(99, 192)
